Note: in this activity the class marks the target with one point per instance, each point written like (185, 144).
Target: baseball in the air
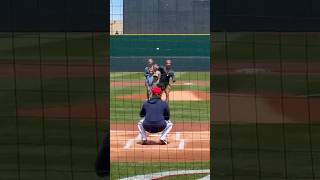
(158, 48)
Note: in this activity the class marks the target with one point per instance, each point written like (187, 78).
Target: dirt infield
(246, 108)
(173, 96)
(187, 143)
(51, 70)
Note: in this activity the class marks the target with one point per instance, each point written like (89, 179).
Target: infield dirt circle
(173, 96)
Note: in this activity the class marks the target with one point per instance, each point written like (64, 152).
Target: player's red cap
(156, 91)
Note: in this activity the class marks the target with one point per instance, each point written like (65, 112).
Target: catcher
(155, 116)
(167, 74)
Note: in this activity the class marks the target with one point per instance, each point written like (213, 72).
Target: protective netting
(53, 104)
(166, 16)
(187, 155)
(265, 105)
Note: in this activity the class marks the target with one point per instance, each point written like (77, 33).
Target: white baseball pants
(164, 133)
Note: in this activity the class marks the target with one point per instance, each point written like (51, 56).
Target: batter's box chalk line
(130, 142)
(181, 142)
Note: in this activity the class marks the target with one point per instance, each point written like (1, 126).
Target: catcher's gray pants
(164, 133)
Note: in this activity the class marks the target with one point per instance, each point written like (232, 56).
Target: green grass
(54, 93)
(54, 48)
(279, 147)
(138, 76)
(48, 146)
(51, 138)
(121, 170)
(127, 76)
(267, 83)
(266, 47)
(57, 134)
(190, 76)
(127, 111)
(181, 111)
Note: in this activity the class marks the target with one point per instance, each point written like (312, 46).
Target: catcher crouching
(155, 115)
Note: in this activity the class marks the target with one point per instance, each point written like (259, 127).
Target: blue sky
(116, 9)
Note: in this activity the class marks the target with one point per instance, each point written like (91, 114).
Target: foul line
(167, 173)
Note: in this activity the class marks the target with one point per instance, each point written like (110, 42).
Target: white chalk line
(205, 178)
(181, 141)
(130, 142)
(178, 136)
(166, 174)
(181, 144)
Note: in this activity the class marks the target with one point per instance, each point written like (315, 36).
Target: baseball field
(54, 110)
(265, 105)
(189, 139)
(188, 153)
(54, 113)
(52, 105)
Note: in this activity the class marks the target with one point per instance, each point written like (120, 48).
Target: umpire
(155, 116)
(166, 74)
